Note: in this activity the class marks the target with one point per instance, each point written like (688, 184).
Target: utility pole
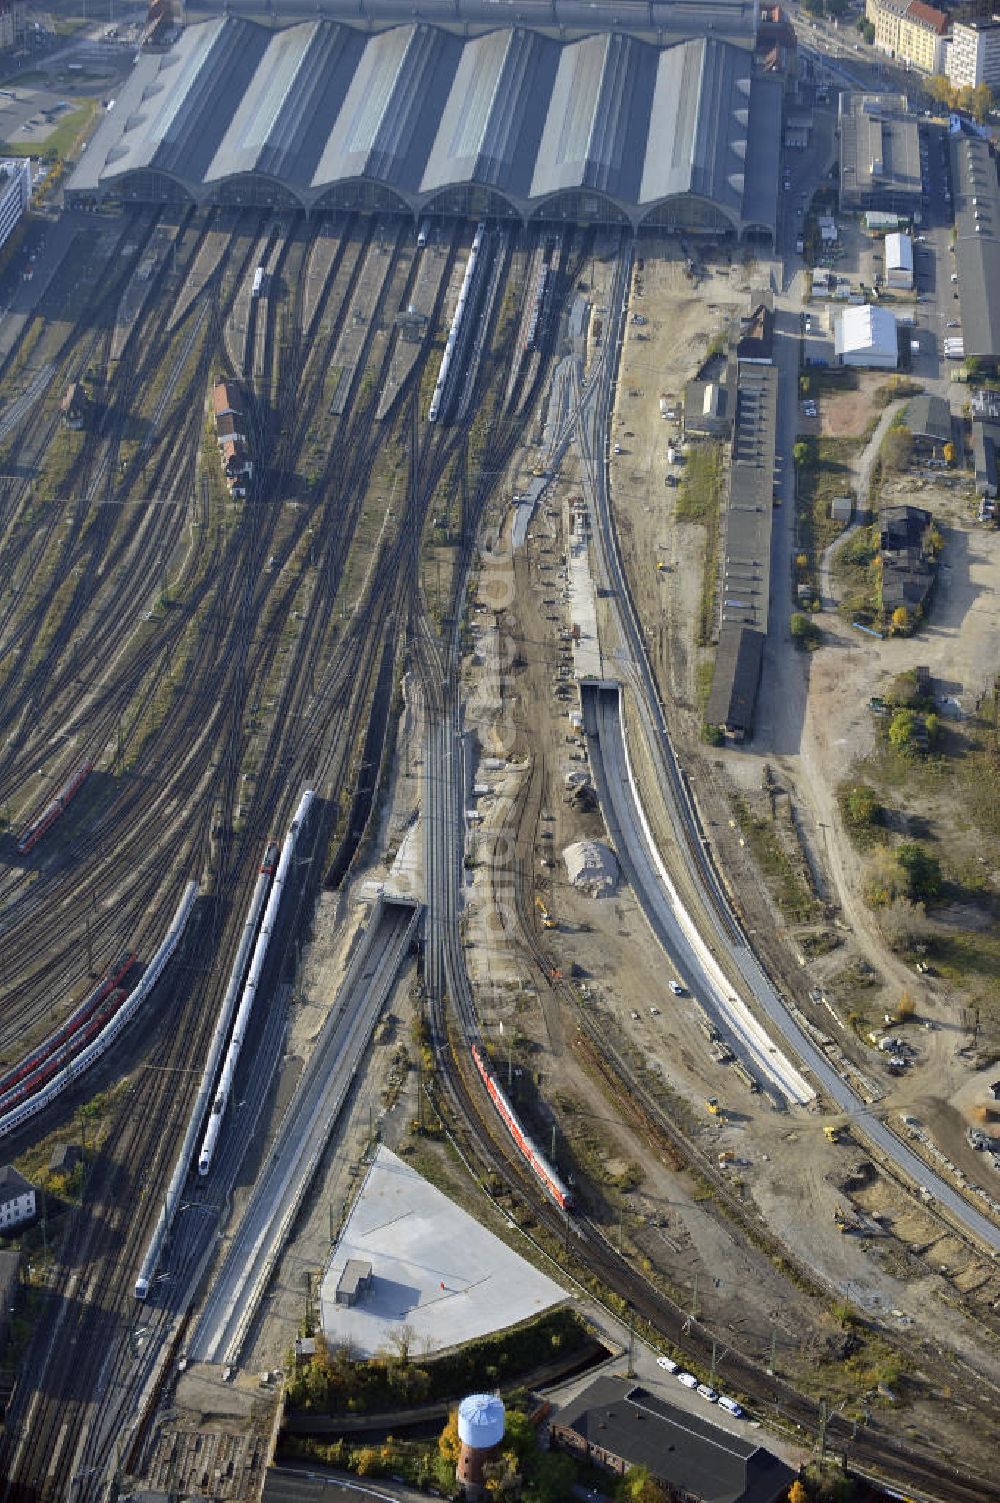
(621, 1220)
(770, 1360)
(824, 1415)
(90, 947)
(631, 1343)
(711, 1373)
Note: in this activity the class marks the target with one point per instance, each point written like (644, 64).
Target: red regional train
(113, 977)
(33, 834)
(537, 1160)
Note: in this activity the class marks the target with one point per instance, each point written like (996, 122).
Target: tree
(901, 620)
(637, 1486)
(903, 925)
(982, 102)
(949, 453)
(449, 1444)
(805, 633)
(861, 806)
(901, 730)
(797, 1492)
(800, 453)
(897, 448)
(554, 1476)
(921, 870)
(941, 89)
(905, 1008)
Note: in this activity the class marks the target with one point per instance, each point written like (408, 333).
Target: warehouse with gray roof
(977, 245)
(415, 119)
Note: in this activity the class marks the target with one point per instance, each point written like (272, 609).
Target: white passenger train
(211, 1137)
(440, 385)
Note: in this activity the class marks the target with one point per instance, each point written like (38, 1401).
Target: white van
(730, 1405)
(688, 1379)
(667, 1365)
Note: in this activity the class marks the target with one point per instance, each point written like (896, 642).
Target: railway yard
(289, 759)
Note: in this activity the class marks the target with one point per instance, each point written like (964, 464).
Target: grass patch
(823, 471)
(700, 501)
(857, 576)
(62, 141)
(786, 886)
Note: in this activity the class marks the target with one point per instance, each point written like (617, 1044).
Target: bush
(712, 735)
(805, 633)
(921, 870)
(860, 807)
(902, 728)
(897, 449)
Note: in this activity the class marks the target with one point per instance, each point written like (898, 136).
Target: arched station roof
(511, 116)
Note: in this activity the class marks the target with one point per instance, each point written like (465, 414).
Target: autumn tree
(905, 1008)
(981, 102)
(901, 620)
(949, 453)
(897, 448)
(797, 1492)
(902, 727)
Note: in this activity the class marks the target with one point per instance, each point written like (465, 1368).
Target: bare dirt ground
(846, 414)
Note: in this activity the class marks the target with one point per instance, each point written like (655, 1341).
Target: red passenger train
(526, 1145)
(112, 978)
(34, 832)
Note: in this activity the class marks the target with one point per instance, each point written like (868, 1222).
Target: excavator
(548, 922)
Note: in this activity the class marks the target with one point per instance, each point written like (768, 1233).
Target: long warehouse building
(415, 119)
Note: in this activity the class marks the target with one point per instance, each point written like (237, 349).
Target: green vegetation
(522, 1470)
(862, 813)
(977, 102)
(896, 450)
(331, 1381)
(805, 633)
(62, 141)
(699, 500)
(856, 571)
(895, 388)
(823, 471)
(785, 884)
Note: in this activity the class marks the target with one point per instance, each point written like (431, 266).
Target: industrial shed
(977, 246)
(415, 119)
(866, 336)
(899, 261)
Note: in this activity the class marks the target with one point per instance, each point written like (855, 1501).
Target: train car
(423, 234)
(270, 860)
(34, 832)
(112, 1022)
(227, 1076)
(525, 1144)
(65, 1054)
(434, 412)
(258, 282)
(113, 977)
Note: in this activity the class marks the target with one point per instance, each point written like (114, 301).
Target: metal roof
(418, 110)
(977, 244)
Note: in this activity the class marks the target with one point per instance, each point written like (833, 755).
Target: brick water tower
(480, 1430)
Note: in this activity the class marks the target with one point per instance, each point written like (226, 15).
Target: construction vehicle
(833, 1134)
(713, 1107)
(548, 922)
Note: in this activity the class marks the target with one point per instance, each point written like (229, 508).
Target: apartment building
(974, 55)
(910, 31)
